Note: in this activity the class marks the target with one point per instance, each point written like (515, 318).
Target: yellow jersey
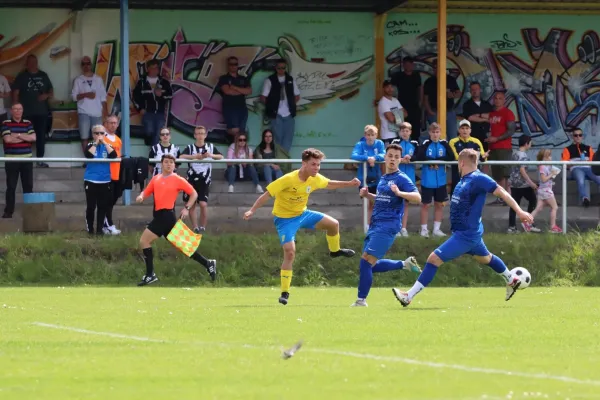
(291, 193)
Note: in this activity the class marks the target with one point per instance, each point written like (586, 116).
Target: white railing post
(564, 199)
(365, 200)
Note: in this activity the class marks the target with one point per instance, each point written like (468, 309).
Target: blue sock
(366, 279)
(388, 265)
(497, 264)
(427, 275)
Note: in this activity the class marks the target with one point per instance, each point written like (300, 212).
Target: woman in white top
(239, 149)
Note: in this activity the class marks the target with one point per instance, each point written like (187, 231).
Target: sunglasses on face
(577, 135)
(98, 133)
(241, 140)
(164, 134)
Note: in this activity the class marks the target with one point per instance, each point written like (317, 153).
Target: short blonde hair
(469, 155)
(101, 127)
(406, 125)
(371, 128)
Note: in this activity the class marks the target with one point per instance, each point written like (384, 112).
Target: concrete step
(70, 218)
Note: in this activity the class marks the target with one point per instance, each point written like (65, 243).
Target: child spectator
(240, 150)
(521, 186)
(266, 150)
(199, 175)
(433, 179)
(409, 150)
(371, 150)
(544, 192)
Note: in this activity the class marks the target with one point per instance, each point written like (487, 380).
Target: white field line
(402, 360)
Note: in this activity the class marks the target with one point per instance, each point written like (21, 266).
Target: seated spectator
(164, 146)
(371, 150)
(578, 151)
(239, 150)
(464, 141)
(266, 150)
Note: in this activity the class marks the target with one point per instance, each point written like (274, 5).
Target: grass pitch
(196, 343)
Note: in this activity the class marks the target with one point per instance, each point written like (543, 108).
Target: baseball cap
(386, 83)
(464, 122)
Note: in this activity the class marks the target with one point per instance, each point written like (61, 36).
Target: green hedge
(254, 260)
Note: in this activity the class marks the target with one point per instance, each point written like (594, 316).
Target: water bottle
(582, 156)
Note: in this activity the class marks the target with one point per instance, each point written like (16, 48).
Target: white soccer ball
(523, 275)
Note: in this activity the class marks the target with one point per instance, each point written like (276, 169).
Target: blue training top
(466, 206)
(389, 208)
(361, 152)
(98, 172)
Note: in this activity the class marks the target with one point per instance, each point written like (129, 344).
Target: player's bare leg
(289, 254)
(332, 228)
(146, 245)
(203, 216)
(194, 218)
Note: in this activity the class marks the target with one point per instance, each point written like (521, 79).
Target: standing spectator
(17, 136)
(234, 88)
(433, 179)
(96, 180)
(464, 141)
(199, 175)
(151, 97)
(578, 151)
(160, 149)
(391, 113)
(545, 193)
(410, 94)
(430, 96)
(4, 94)
(32, 88)
(371, 150)
(111, 138)
(477, 111)
(410, 149)
(266, 150)
(521, 186)
(241, 151)
(280, 95)
(90, 95)
(503, 126)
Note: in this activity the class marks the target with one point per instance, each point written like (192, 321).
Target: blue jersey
(361, 152)
(432, 177)
(389, 208)
(467, 203)
(409, 148)
(98, 172)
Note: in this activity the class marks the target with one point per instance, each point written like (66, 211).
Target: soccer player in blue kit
(466, 209)
(393, 188)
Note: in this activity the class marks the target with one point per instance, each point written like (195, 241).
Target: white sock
(417, 287)
(424, 227)
(437, 225)
(505, 275)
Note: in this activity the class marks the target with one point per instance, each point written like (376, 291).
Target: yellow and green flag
(182, 237)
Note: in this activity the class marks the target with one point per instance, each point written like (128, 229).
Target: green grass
(224, 344)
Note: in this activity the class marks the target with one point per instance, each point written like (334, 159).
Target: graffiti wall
(330, 55)
(548, 66)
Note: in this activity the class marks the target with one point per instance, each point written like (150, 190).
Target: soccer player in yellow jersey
(291, 193)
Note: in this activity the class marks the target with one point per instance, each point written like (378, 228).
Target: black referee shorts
(163, 222)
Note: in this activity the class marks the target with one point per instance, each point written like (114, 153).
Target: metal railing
(563, 164)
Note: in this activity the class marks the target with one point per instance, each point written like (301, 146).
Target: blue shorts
(378, 242)
(456, 246)
(287, 227)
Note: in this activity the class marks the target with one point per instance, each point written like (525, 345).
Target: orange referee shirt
(115, 167)
(166, 189)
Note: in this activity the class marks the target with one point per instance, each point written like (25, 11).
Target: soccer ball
(523, 275)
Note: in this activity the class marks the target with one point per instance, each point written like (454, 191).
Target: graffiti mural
(550, 76)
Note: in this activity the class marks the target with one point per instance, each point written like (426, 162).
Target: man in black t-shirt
(477, 112)
(430, 101)
(233, 89)
(410, 94)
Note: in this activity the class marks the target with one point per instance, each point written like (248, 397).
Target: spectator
(110, 137)
(266, 150)
(410, 94)
(90, 95)
(280, 95)
(160, 149)
(430, 96)
(521, 186)
(410, 149)
(578, 151)
(17, 136)
(477, 111)
(391, 113)
(502, 126)
(233, 89)
(96, 180)
(239, 150)
(433, 179)
(4, 94)
(371, 150)
(151, 96)
(464, 141)
(199, 175)
(33, 89)
(545, 193)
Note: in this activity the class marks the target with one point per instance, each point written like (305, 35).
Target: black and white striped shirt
(156, 153)
(200, 169)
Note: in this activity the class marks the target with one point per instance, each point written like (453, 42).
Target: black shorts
(372, 189)
(201, 187)
(163, 222)
(439, 195)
